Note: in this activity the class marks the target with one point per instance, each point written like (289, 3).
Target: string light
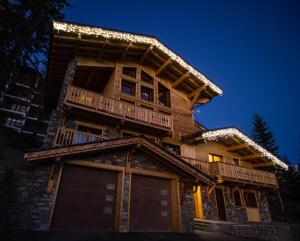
(133, 38)
(229, 132)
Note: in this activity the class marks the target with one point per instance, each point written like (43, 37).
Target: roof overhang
(69, 40)
(236, 141)
(73, 151)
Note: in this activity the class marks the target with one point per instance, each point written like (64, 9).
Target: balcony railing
(85, 99)
(65, 136)
(234, 173)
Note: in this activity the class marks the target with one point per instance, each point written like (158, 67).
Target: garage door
(85, 199)
(150, 206)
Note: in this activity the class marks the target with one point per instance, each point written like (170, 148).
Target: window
(146, 93)
(250, 199)
(11, 122)
(128, 87)
(130, 71)
(237, 198)
(215, 158)
(164, 96)
(146, 77)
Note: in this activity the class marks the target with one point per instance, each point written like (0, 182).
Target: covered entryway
(86, 199)
(150, 206)
(221, 204)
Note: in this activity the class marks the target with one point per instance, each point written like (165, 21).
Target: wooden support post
(281, 202)
(161, 68)
(196, 96)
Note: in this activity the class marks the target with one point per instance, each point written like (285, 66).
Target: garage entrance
(86, 199)
(150, 205)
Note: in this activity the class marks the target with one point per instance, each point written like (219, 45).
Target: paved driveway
(97, 236)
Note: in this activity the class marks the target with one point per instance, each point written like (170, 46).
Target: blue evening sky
(249, 48)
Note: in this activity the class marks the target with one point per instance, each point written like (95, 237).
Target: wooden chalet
(124, 150)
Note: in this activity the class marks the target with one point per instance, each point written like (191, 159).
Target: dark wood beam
(149, 49)
(161, 68)
(126, 51)
(250, 157)
(101, 51)
(182, 78)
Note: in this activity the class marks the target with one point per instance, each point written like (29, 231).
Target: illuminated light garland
(109, 34)
(230, 132)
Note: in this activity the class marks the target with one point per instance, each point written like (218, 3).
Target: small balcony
(91, 101)
(66, 136)
(233, 173)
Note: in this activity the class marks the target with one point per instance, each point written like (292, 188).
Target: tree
(263, 135)
(25, 27)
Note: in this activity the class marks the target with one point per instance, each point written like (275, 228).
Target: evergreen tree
(263, 135)
(25, 27)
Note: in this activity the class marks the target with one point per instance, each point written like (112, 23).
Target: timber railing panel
(66, 136)
(98, 103)
(233, 172)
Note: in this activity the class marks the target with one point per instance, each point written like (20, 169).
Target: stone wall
(58, 115)
(29, 203)
(187, 210)
(210, 211)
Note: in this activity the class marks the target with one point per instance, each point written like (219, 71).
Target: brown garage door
(150, 206)
(85, 199)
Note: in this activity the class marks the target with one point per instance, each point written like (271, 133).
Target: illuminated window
(215, 158)
(128, 88)
(146, 93)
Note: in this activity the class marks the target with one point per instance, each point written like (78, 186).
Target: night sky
(249, 48)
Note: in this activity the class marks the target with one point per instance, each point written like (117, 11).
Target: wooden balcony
(230, 172)
(98, 103)
(65, 136)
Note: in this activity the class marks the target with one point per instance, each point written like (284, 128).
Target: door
(252, 209)
(150, 206)
(220, 204)
(86, 199)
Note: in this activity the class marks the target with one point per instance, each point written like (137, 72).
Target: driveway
(98, 236)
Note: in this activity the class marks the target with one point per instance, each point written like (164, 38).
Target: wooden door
(252, 209)
(220, 204)
(86, 199)
(150, 205)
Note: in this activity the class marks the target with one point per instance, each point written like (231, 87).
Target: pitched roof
(76, 149)
(232, 132)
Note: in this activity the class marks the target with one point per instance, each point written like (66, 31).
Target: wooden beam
(249, 157)
(203, 101)
(195, 98)
(263, 164)
(161, 68)
(149, 49)
(201, 88)
(89, 78)
(126, 51)
(101, 51)
(182, 78)
(236, 147)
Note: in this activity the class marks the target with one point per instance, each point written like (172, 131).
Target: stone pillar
(187, 210)
(57, 115)
(124, 222)
(264, 207)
